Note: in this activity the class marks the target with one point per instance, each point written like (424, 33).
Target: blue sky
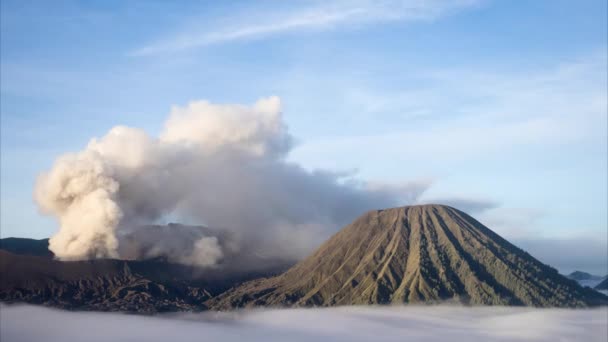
(499, 105)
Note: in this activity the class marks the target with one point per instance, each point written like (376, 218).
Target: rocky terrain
(145, 286)
(416, 254)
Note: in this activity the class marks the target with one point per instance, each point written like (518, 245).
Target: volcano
(414, 254)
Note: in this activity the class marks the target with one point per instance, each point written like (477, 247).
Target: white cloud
(456, 115)
(322, 16)
(513, 223)
(433, 323)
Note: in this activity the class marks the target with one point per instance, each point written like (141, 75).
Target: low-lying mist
(414, 323)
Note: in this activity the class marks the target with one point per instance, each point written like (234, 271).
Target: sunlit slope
(414, 254)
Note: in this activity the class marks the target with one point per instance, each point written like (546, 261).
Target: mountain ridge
(25, 246)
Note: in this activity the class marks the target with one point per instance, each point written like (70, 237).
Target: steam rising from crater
(220, 165)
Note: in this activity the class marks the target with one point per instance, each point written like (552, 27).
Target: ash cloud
(431, 323)
(220, 165)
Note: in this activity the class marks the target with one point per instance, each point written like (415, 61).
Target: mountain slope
(414, 254)
(603, 285)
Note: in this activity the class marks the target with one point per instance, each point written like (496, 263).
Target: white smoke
(190, 245)
(223, 166)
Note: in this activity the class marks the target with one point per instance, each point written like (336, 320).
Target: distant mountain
(603, 285)
(579, 275)
(586, 279)
(26, 246)
(429, 253)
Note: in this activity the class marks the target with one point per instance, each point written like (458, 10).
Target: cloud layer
(319, 16)
(436, 323)
(219, 165)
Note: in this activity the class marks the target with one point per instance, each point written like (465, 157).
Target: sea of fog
(411, 323)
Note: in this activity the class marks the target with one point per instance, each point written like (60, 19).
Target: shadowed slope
(28, 273)
(414, 254)
(144, 286)
(107, 285)
(603, 285)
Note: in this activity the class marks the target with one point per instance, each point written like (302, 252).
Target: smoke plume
(219, 165)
